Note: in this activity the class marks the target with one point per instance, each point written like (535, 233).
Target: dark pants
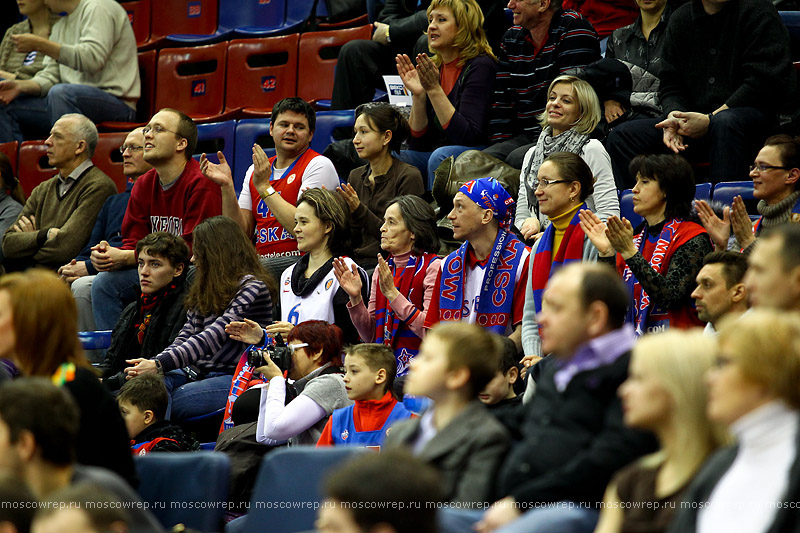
(513, 150)
(733, 139)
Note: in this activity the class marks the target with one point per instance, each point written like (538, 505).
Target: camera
(279, 352)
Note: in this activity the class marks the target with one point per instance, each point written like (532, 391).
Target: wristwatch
(388, 37)
(270, 191)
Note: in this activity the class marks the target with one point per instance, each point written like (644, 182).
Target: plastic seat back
(319, 52)
(33, 166)
(108, 159)
(192, 80)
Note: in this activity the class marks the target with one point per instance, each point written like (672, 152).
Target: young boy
(369, 375)
(499, 395)
(457, 435)
(143, 404)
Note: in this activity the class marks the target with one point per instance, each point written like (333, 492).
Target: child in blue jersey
(143, 403)
(369, 375)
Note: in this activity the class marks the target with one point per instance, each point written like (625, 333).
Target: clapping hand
(349, 279)
(719, 229)
(409, 75)
(386, 279)
(428, 73)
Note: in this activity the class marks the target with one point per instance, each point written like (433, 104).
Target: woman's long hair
(470, 37)
(223, 255)
(45, 321)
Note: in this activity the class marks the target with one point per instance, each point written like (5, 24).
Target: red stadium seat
(260, 73)
(108, 159)
(320, 51)
(193, 80)
(183, 16)
(10, 149)
(33, 165)
(139, 15)
(144, 107)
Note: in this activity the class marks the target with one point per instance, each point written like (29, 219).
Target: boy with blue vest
(369, 376)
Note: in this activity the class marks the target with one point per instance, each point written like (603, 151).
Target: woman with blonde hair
(451, 92)
(570, 116)
(752, 389)
(39, 334)
(665, 394)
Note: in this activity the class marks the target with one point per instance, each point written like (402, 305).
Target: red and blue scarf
(389, 329)
(494, 303)
(674, 234)
(545, 265)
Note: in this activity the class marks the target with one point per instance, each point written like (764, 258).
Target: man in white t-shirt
(265, 207)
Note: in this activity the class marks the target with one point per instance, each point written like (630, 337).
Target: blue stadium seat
(248, 132)
(292, 475)
(725, 191)
(214, 137)
(327, 122)
(791, 19)
(702, 191)
(170, 480)
(626, 208)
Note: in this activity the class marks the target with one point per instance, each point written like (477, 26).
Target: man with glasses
(727, 74)
(107, 232)
(173, 196)
(57, 218)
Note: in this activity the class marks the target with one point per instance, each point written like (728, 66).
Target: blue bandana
(489, 194)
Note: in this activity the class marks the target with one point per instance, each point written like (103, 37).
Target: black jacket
(166, 323)
(574, 440)
(179, 441)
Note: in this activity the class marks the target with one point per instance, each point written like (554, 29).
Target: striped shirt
(524, 74)
(203, 342)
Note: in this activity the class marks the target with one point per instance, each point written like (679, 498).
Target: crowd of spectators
(543, 363)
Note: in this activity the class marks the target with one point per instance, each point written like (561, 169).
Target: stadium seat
(249, 132)
(702, 191)
(725, 191)
(144, 107)
(183, 17)
(276, 17)
(323, 24)
(10, 149)
(626, 208)
(108, 159)
(218, 136)
(193, 80)
(327, 123)
(33, 165)
(290, 475)
(139, 15)
(174, 484)
(319, 52)
(260, 73)
(791, 19)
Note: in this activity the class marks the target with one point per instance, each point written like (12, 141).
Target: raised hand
(219, 174)
(409, 75)
(719, 229)
(245, 331)
(740, 223)
(428, 73)
(620, 235)
(262, 170)
(350, 196)
(386, 280)
(348, 279)
(595, 229)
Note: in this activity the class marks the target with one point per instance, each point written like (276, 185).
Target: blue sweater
(107, 227)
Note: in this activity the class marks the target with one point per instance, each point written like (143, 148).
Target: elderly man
(58, 217)
(573, 436)
(773, 277)
(720, 291)
(173, 196)
(107, 231)
(483, 282)
(91, 68)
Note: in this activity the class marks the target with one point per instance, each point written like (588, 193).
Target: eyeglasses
(545, 183)
(295, 347)
(132, 147)
(156, 129)
(761, 167)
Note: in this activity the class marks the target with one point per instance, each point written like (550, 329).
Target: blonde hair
(470, 37)
(766, 348)
(45, 320)
(588, 104)
(679, 360)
